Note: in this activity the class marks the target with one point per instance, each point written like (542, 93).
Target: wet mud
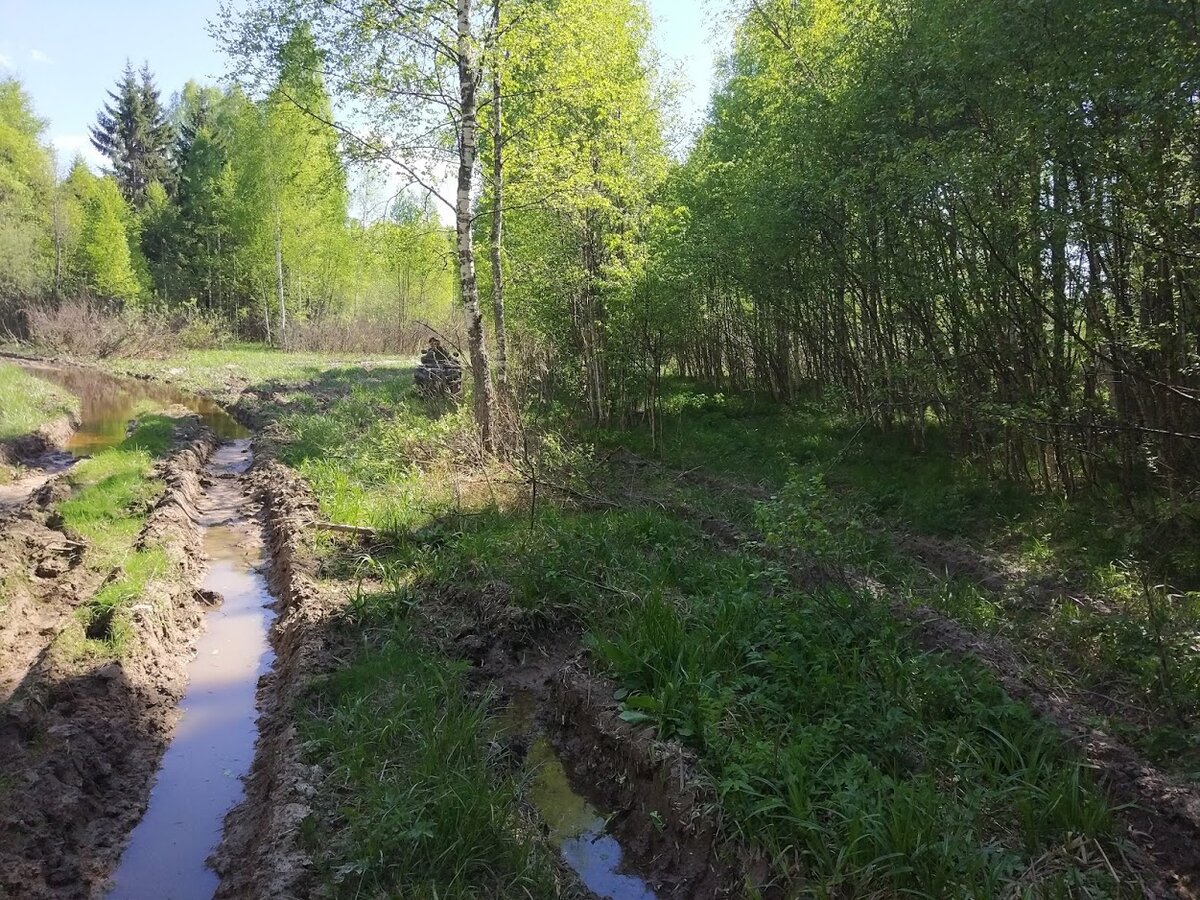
(80, 738)
(212, 744)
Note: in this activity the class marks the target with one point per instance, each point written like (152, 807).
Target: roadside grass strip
(27, 403)
(112, 494)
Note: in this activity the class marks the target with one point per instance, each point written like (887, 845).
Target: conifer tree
(133, 132)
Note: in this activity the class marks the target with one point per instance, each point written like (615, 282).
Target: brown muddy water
(201, 774)
(200, 778)
(575, 825)
(108, 403)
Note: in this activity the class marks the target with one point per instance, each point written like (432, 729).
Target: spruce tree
(133, 132)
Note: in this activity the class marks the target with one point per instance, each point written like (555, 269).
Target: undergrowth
(857, 763)
(426, 805)
(112, 494)
(1111, 609)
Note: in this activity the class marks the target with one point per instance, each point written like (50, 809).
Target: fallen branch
(66, 547)
(346, 529)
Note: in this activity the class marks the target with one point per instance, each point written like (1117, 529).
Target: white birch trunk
(468, 146)
(498, 210)
(279, 282)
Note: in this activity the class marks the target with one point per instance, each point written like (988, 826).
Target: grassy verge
(112, 493)
(228, 370)
(1104, 602)
(27, 403)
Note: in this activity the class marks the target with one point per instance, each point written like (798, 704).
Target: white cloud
(39, 57)
(5, 62)
(68, 145)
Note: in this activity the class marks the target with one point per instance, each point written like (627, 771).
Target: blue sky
(68, 52)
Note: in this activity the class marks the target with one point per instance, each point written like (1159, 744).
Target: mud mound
(42, 582)
(81, 739)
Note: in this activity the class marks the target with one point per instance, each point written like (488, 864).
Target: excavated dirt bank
(37, 459)
(41, 582)
(81, 738)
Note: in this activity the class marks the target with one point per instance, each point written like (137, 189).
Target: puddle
(576, 827)
(213, 746)
(107, 403)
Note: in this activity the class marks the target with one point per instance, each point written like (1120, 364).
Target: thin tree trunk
(468, 84)
(279, 282)
(497, 212)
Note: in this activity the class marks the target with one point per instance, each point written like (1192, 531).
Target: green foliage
(26, 189)
(406, 745)
(132, 131)
(932, 208)
(108, 262)
(27, 403)
(580, 178)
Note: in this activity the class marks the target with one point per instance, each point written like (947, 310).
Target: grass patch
(423, 807)
(230, 368)
(27, 403)
(1118, 610)
(111, 497)
(858, 764)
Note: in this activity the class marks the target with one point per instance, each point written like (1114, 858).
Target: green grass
(857, 764)
(854, 761)
(112, 494)
(27, 403)
(839, 490)
(423, 809)
(227, 370)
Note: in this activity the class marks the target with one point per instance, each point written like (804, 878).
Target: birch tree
(407, 79)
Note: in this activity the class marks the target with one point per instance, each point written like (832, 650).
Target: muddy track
(260, 855)
(662, 814)
(38, 459)
(81, 739)
(1162, 813)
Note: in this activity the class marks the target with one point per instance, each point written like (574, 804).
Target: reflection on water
(213, 745)
(107, 403)
(575, 825)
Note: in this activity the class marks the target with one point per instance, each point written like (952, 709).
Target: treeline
(976, 212)
(219, 206)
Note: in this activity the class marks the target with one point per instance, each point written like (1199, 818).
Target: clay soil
(80, 738)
